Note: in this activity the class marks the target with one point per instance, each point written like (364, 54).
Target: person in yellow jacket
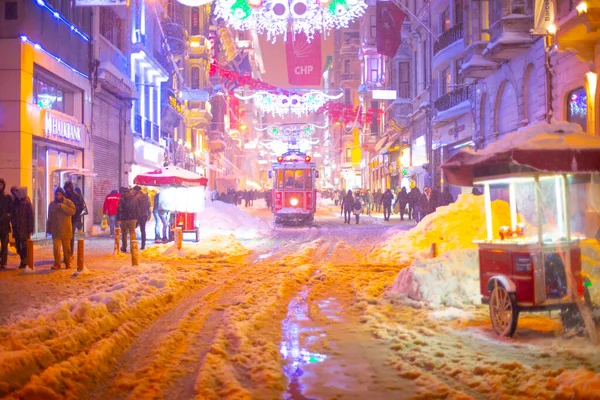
(60, 227)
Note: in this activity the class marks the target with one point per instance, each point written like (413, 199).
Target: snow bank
(223, 218)
(212, 246)
(451, 227)
(450, 280)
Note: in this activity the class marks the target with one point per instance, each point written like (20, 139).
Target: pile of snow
(217, 245)
(452, 227)
(450, 280)
(220, 218)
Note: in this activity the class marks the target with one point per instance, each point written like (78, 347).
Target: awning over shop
(170, 175)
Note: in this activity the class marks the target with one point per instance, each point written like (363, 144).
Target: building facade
(45, 100)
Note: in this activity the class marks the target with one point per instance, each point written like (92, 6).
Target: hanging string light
(289, 132)
(276, 17)
(280, 104)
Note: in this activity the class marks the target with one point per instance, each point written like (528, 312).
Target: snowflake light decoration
(273, 17)
(291, 132)
(279, 104)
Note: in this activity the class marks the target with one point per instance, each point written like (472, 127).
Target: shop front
(58, 153)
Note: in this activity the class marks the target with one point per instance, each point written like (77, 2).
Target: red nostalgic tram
(293, 197)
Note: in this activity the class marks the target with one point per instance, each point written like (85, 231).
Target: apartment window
(445, 20)
(48, 95)
(373, 26)
(445, 81)
(458, 11)
(346, 66)
(457, 75)
(195, 21)
(404, 80)
(425, 71)
(375, 123)
(348, 154)
(484, 20)
(195, 78)
(347, 96)
(111, 27)
(373, 69)
(147, 106)
(577, 107)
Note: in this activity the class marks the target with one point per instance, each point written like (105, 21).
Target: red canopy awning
(170, 176)
(552, 148)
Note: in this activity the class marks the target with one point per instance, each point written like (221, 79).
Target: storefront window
(577, 107)
(47, 95)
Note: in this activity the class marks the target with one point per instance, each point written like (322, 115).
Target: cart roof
(170, 176)
(551, 148)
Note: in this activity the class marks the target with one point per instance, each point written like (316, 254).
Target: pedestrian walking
(357, 207)
(427, 203)
(402, 201)
(127, 217)
(369, 202)
(60, 227)
(5, 211)
(77, 200)
(386, 202)
(446, 197)
(161, 217)
(22, 221)
(143, 213)
(413, 201)
(377, 197)
(111, 203)
(347, 204)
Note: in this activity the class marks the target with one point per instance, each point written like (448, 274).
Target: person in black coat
(143, 212)
(77, 200)
(428, 202)
(402, 200)
(347, 204)
(413, 202)
(127, 216)
(22, 221)
(386, 201)
(6, 203)
(446, 198)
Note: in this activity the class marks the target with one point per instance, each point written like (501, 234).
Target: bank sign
(58, 127)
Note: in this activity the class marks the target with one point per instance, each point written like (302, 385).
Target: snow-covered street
(256, 311)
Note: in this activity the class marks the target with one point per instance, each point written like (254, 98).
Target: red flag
(389, 27)
(303, 59)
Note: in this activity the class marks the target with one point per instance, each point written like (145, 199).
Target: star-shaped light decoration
(274, 17)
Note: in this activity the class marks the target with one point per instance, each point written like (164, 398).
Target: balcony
(453, 105)
(509, 37)
(474, 64)
(216, 142)
(137, 124)
(155, 132)
(199, 117)
(579, 31)
(450, 46)
(113, 71)
(349, 78)
(452, 35)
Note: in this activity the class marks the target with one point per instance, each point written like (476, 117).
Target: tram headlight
(294, 202)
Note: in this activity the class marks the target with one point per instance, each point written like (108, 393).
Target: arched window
(577, 107)
(484, 119)
(195, 78)
(507, 113)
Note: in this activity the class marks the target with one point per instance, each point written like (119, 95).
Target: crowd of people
(65, 217)
(237, 197)
(414, 203)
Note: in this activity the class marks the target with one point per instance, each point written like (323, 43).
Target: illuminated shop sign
(56, 127)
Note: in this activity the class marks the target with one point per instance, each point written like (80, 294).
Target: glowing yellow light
(195, 43)
(551, 29)
(243, 127)
(581, 7)
(592, 79)
(294, 202)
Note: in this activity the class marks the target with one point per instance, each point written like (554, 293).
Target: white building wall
(569, 74)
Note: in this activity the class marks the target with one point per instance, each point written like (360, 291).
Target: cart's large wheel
(504, 311)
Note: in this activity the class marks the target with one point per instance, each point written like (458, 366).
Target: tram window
(280, 179)
(299, 179)
(289, 178)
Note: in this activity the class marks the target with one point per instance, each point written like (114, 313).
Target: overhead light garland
(290, 132)
(36, 46)
(280, 104)
(276, 17)
(62, 19)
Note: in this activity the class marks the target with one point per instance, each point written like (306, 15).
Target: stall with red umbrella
(547, 174)
(182, 193)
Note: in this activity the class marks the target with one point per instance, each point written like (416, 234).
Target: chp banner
(543, 16)
(389, 19)
(303, 59)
